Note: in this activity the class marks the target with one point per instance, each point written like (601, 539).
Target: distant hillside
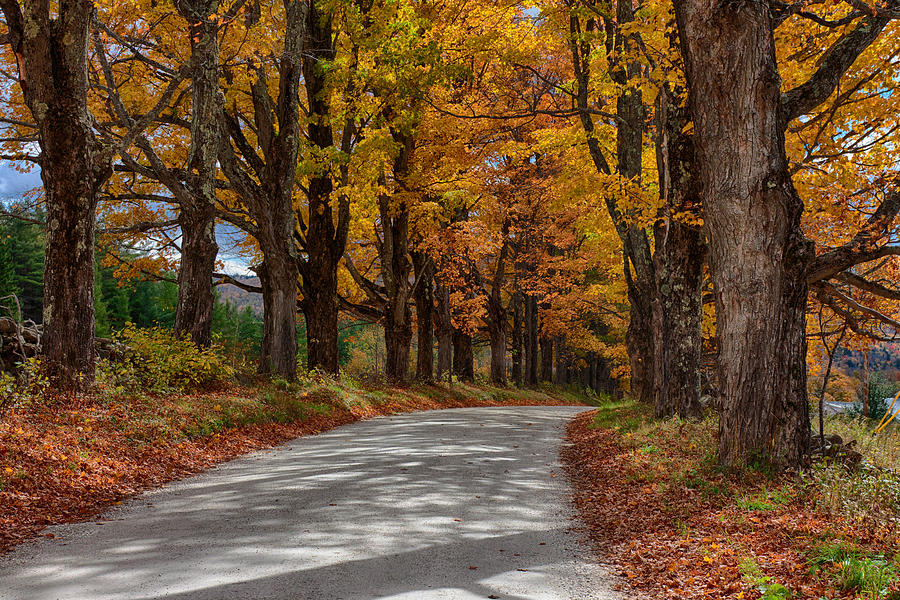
(883, 357)
(241, 298)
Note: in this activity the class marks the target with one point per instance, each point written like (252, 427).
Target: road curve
(458, 504)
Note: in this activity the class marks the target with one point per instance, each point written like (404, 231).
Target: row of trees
(607, 187)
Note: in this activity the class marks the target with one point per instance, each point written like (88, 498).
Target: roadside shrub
(154, 360)
(871, 494)
(29, 383)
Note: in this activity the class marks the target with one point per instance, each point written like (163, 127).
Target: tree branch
(837, 59)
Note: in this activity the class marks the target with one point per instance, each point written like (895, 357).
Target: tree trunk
(678, 261)
(325, 238)
(52, 54)
(463, 356)
(423, 297)
(193, 312)
(629, 143)
(517, 341)
(496, 323)
(497, 333)
(531, 340)
(278, 351)
(68, 344)
(444, 326)
(559, 377)
(270, 202)
(320, 307)
(758, 256)
(397, 338)
(546, 358)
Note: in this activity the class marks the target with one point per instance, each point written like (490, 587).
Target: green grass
(764, 500)
(753, 575)
(870, 575)
(622, 415)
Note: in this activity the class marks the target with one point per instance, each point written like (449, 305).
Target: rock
(30, 336)
(7, 326)
(851, 459)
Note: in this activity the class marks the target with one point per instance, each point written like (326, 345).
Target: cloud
(14, 185)
(235, 267)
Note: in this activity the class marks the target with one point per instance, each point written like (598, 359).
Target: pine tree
(24, 243)
(7, 273)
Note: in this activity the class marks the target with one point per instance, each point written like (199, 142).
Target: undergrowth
(757, 524)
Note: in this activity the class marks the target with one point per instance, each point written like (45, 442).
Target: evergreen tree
(24, 247)
(7, 273)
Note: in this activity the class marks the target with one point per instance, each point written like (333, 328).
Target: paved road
(461, 504)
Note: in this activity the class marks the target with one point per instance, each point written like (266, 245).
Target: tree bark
(52, 60)
(759, 258)
(559, 376)
(444, 327)
(531, 340)
(497, 334)
(463, 356)
(517, 338)
(678, 267)
(325, 237)
(320, 308)
(278, 350)
(193, 312)
(546, 358)
(397, 338)
(423, 297)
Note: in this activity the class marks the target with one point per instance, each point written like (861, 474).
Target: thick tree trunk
(325, 238)
(640, 341)
(444, 327)
(463, 356)
(546, 358)
(680, 272)
(496, 323)
(758, 256)
(559, 376)
(517, 339)
(497, 333)
(68, 343)
(193, 312)
(531, 340)
(397, 338)
(423, 297)
(398, 320)
(270, 202)
(278, 351)
(320, 307)
(52, 55)
(678, 260)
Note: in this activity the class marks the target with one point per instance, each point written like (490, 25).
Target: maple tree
(761, 261)
(534, 178)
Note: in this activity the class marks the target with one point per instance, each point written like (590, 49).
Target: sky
(14, 184)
